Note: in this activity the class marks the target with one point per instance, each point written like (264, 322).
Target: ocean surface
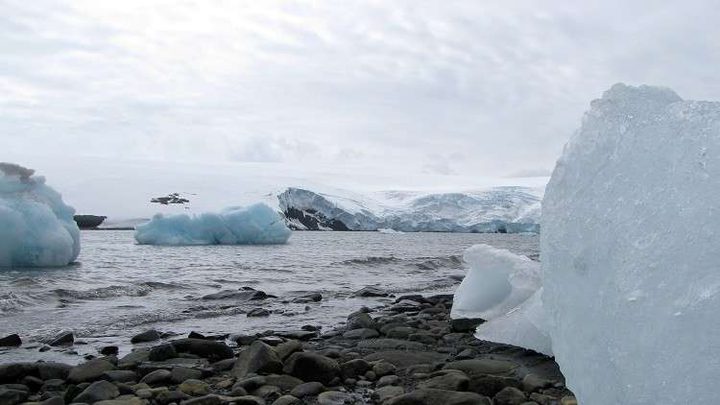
(118, 288)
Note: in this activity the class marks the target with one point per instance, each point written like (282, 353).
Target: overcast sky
(441, 87)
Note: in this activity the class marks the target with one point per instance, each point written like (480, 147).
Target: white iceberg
(629, 242)
(503, 289)
(254, 225)
(36, 227)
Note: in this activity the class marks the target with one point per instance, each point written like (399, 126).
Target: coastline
(405, 352)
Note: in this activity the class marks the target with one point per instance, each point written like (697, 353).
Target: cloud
(374, 83)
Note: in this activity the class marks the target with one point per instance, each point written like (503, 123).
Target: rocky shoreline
(404, 353)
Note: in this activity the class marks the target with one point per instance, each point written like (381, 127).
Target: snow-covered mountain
(498, 209)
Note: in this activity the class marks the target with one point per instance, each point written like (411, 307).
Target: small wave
(434, 263)
(371, 261)
(133, 290)
(12, 301)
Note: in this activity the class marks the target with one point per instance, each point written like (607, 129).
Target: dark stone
(315, 297)
(223, 365)
(284, 350)
(307, 389)
(283, 381)
(207, 349)
(10, 396)
(490, 385)
(355, 368)
(509, 396)
(312, 367)
(451, 381)
(110, 351)
(97, 391)
(134, 358)
(244, 340)
(287, 400)
(477, 367)
(298, 335)
(180, 374)
(465, 325)
(89, 221)
(370, 292)
(89, 371)
(359, 320)
(243, 295)
(63, 339)
(406, 358)
(362, 333)
(162, 352)
(258, 312)
(119, 376)
(258, 358)
(11, 340)
(206, 400)
(169, 397)
(195, 335)
(435, 397)
(147, 336)
(390, 344)
(157, 377)
(52, 371)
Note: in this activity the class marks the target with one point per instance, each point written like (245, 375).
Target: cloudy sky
(492, 88)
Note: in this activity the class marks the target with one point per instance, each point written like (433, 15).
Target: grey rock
(400, 332)
(435, 397)
(465, 325)
(287, 400)
(490, 385)
(63, 339)
(383, 368)
(509, 396)
(162, 352)
(52, 370)
(246, 295)
(406, 358)
(252, 383)
(312, 367)
(194, 388)
(207, 349)
(315, 297)
(532, 383)
(284, 350)
(298, 334)
(169, 397)
(307, 389)
(89, 371)
(390, 344)
(97, 391)
(370, 291)
(361, 333)
(248, 400)
(134, 358)
(258, 358)
(385, 393)
(456, 381)
(388, 380)
(157, 377)
(482, 366)
(119, 376)
(268, 392)
(55, 401)
(147, 336)
(358, 320)
(206, 400)
(283, 381)
(223, 365)
(258, 312)
(11, 340)
(10, 396)
(354, 368)
(180, 374)
(334, 398)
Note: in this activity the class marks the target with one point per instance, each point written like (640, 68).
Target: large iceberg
(629, 242)
(253, 225)
(504, 289)
(36, 227)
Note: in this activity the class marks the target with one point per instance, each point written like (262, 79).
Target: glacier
(506, 209)
(629, 251)
(252, 225)
(503, 289)
(36, 227)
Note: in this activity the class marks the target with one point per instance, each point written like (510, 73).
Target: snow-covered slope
(497, 209)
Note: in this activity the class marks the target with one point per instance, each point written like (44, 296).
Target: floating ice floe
(36, 227)
(629, 249)
(254, 225)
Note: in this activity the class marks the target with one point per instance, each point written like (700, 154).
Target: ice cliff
(36, 227)
(253, 225)
(499, 209)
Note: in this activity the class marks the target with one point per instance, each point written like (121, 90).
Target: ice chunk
(253, 225)
(36, 227)
(630, 255)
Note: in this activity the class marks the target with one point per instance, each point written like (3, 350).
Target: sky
(437, 88)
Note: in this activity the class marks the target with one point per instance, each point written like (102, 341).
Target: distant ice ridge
(504, 289)
(499, 209)
(630, 254)
(36, 227)
(253, 225)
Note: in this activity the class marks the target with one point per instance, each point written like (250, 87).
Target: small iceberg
(257, 224)
(389, 231)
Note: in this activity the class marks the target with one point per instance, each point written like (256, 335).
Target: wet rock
(89, 371)
(52, 370)
(169, 397)
(206, 400)
(147, 336)
(287, 400)
(406, 358)
(422, 337)
(307, 389)
(258, 312)
(312, 367)
(435, 397)
(244, 340)
(119, 376)
(532, 383)
(258, 358)
(58, 400)
(207, 349)
(302, 335)
(162, 352)
(32, 382)
(362, 333)
(385, 393)
(97, 391)
(194, 388)
(482, 366)
(268, 392)
(180, 374)
(509, 396)
(370, 291)
(134, 358)
(243, 295)
(283, 381)
(388, 380)
(110, 351)
(284, 350)
(490, 385)
(63, 339)
(453, 381)
(334, 398)
(247, 400)
(10, 396)
(400, 332)
(383, 368)
(10, 341)
(359, 320)
(465, 325)
(355, 368)
(304, 299)
(223, 365)
(157, 377)
(390, 344)
(251, 383)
